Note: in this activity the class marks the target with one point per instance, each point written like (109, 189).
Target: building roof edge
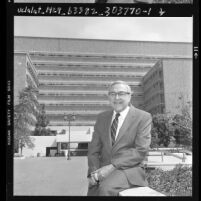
(87, 39)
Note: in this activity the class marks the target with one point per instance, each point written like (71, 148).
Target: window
(160, 73)
(161, 86)
(64, 145)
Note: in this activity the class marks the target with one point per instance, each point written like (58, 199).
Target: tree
(162, 131)
(24, 113)
(183, 123)
(42, 123)
(175, 129)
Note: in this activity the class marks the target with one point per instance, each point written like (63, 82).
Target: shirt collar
(122, 113)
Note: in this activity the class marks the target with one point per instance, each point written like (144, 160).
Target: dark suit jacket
(130, 148)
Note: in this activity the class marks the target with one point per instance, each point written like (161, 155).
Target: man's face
(119, 97)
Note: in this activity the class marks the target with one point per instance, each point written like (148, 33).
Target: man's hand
(92, 181)
(104, 171)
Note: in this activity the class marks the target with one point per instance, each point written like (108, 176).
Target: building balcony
(68, 68)
(77, 103)
(87, 78)
(79, 97)
(83, 73)
(83, 85)
(69, 102)
(72, 97)
(103, 58)
(80, 112)
(77, 107)
(83, 106)
(80, 93)
(84, 82)
(80, 90)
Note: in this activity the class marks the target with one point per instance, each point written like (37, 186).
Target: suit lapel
(108, 127)
(126, 124)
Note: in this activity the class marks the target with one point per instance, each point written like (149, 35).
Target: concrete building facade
(73, 75)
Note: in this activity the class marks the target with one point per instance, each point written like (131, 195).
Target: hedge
(175, 182)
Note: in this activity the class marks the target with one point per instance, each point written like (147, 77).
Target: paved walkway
(168, 161)
(50, 176)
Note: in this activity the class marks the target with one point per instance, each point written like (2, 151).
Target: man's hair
(120, 82)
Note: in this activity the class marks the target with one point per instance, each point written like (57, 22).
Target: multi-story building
(168, 85)
(73, 75)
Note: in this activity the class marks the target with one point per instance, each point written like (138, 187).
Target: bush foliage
(175, 182)
(42, 123)
(171, 131)
(162, 131)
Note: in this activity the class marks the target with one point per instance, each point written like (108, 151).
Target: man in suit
(119, 145)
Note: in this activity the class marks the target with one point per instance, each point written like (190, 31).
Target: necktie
(114, 128)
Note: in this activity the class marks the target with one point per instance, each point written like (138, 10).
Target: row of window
(87, 80)
(91, 83)
(75, 107)
(88, 75)
(77, 104)
(91, 70)
(60, 55)
(81, 56)
(93, 65)
(156, 74)
(158, 85)
(77, 87)
(84, 94)
(156, 98)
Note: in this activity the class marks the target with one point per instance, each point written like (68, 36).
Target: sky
(171, 29)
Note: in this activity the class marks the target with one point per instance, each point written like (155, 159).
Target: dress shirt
(120, 119)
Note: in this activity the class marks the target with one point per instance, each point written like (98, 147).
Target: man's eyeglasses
(120, 94)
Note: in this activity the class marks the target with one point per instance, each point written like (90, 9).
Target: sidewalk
(50, 176)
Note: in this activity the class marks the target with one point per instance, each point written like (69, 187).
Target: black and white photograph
(103, 106)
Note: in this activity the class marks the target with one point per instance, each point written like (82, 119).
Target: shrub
(162, 133)
(175, 182)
